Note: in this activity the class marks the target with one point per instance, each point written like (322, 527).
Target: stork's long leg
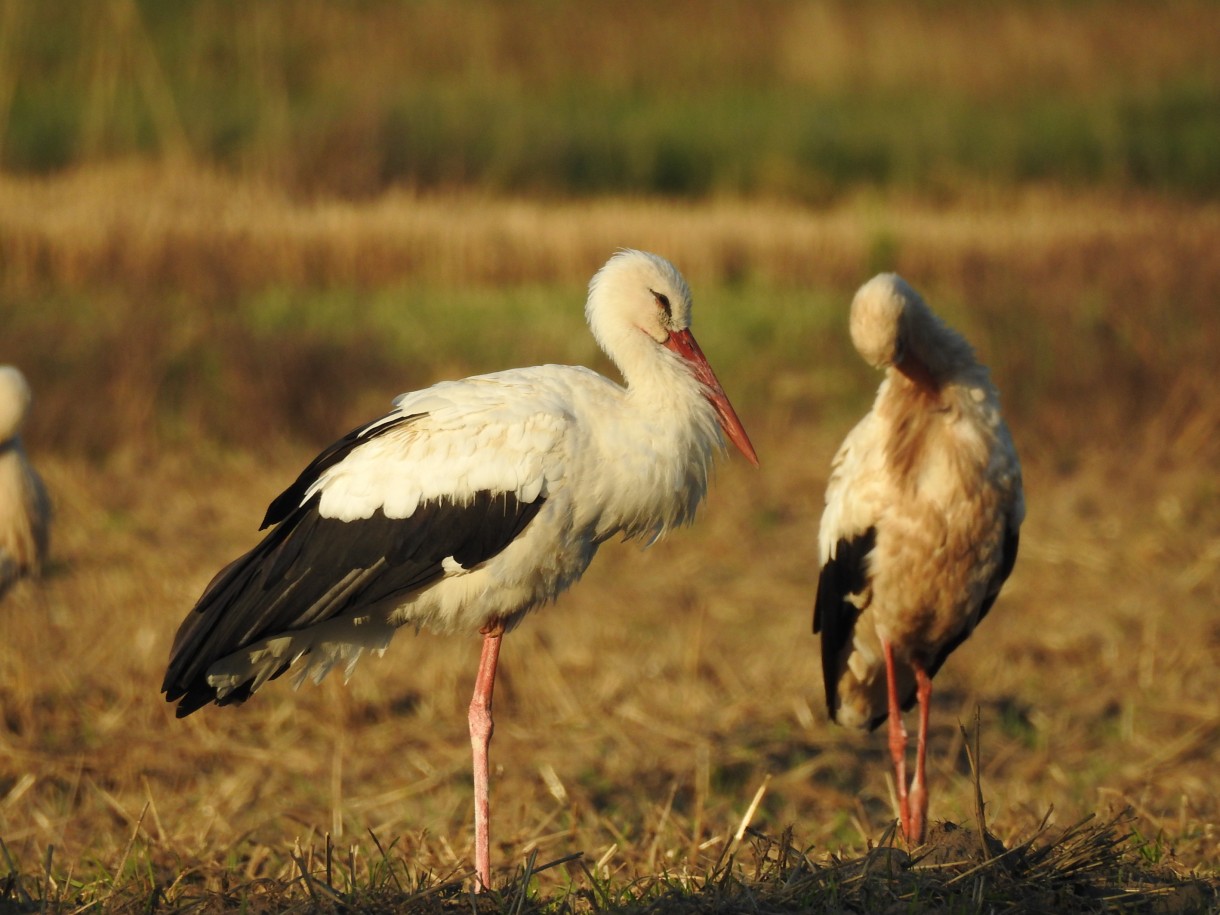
(919, 787)
(481, 727)
(898, 739)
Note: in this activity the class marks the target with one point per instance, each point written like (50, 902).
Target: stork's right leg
(898, 739)
(919, 783)
(481, 726)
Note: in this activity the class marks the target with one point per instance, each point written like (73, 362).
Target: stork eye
(662, 302)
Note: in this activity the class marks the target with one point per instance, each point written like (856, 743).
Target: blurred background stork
(25, 511)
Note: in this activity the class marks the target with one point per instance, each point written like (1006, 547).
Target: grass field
(193, 344)
(231, 232)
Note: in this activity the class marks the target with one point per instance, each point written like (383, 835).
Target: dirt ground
(639, 716)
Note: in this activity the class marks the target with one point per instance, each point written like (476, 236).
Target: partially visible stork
(921, 524)
(468, 505)
(25, 510)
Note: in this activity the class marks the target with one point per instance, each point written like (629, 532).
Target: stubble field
(192, 341)
(231, 232)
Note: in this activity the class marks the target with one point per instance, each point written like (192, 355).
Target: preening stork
(921, 524)
(25, 511)
(468, 505)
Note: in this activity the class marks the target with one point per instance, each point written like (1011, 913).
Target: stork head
(636, 291)
(639, 309)
(892, 327)
(881, 318)
(14, 401)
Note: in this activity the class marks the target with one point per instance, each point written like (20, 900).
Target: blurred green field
(785, 99)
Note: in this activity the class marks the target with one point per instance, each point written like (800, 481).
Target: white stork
(468, 505)
(25, 510)
(921, 524)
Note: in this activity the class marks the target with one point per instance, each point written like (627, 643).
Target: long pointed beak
(683, 343)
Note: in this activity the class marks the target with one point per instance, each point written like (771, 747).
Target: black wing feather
(834, 616)
(1008, 559)
(311, 568)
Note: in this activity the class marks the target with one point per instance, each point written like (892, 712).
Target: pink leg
(898, 739)
(919, 788)
(481, 727)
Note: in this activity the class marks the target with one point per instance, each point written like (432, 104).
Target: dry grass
(1071, 294)
(640, 716)
(147, 227)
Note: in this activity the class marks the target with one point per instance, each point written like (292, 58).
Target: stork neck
(655, 457)
(941, 351)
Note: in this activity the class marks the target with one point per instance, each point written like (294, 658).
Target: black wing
(311, 568)
(834, 616)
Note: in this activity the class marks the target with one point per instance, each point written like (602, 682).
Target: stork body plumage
(469, 504)
(25, 510)
(921, 525)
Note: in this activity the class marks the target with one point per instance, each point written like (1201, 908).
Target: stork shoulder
(855, 492)
(500, 433)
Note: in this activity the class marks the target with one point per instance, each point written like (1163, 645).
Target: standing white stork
(468, 505)
(921, 524)
(25, 510)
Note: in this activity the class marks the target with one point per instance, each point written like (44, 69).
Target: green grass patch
(298, 362)
(466, 98)
(309, 363)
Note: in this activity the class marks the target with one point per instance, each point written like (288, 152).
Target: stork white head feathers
(891, 325)
(638, 301)
(14, 401)
(640, 290)
(25, 510)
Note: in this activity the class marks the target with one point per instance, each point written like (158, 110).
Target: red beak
(683, 343)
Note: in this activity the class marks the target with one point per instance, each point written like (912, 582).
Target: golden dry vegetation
(640, 715)
(230, 232)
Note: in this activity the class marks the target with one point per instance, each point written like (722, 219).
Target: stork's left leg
(919, 786)
(481, 726)
(898, 738)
